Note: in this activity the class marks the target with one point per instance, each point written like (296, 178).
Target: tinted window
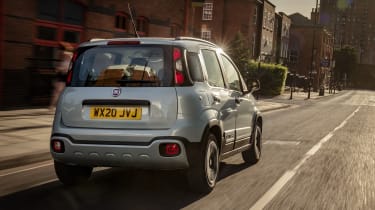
(195, 67)
(72, 36)
(123, 66)
(215, 77)
(73, 13)
(231, 75)
(48, 9)
(47, 33)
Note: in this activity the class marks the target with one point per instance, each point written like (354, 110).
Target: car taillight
(70, 69)
(178, 69)
(69, 78)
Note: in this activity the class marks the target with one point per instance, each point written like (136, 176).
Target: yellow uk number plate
(115, 113)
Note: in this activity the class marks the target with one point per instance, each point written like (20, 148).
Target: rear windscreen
(108, 66)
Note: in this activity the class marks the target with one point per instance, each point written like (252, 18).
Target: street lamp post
(313, 50)
(258, 73)
(291, 85)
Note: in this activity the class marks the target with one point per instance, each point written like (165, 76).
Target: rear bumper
(120, 155)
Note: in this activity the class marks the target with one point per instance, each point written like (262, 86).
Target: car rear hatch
(127, 86)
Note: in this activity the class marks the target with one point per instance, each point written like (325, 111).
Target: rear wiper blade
(135, 81)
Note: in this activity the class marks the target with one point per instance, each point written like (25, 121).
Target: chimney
(315, 14)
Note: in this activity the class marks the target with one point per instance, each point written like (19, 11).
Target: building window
(207, 11)
(293, 57)
(48, 10)
(206, 34)
(53, 33)
(142, 26)
(72, 36)
(121, 21)
(59, 21)
(47, 33)
(65, 11)
(73, 13)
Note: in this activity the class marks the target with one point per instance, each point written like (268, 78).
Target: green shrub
(272, 77)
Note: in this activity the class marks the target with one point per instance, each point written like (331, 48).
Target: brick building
(32, 30)
(267, 50)
(281, 38)
(302, 46)
(220, 20)
(353, 24)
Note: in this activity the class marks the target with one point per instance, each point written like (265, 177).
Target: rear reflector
(170, 149)
(58, 146)
(123, 42)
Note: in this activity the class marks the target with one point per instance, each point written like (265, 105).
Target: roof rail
(96, 39)
(195, 39)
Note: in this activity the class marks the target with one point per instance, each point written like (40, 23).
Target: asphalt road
(316, 155)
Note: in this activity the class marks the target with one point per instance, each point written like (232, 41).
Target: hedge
(272, 77)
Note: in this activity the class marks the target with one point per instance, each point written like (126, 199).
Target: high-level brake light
(124, 42)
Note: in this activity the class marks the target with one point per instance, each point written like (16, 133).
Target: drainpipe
(186, 18)
(1, 53)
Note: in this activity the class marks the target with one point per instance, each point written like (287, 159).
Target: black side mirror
(255, 86)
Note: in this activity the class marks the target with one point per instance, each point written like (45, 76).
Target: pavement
(25, 133)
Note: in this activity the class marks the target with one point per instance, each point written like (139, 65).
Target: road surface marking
(42, 183)
(288, 175)
(293, 143)
(26, 169)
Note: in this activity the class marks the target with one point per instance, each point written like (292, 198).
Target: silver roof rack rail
(195, 39)
(96, 39)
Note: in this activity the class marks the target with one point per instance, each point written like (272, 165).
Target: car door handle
(216, 99)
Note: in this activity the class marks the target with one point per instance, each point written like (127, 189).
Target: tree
(239, 51)
(240, 54)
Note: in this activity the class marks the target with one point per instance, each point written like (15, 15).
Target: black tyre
(252, 156)
(204, 169)
(72, 175)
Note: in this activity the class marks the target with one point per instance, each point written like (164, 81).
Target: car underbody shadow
(109, 189)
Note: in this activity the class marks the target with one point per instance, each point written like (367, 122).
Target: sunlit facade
(353, 24)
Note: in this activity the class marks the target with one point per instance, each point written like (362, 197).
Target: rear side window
(215, 77)
(232, 74)
(108, 66)
(195, 67)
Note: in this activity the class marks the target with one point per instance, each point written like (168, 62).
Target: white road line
(26, 169)
(293, 143)
(283, 180)
(42, 183)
